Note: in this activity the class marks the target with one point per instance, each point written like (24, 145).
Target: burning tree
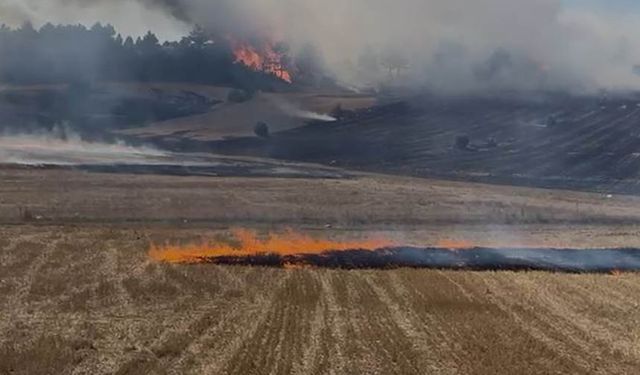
(66, 53)
(267, 57)
(279, 61)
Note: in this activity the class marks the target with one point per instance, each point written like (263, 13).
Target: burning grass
(118, 313)
(292, 250)
(247, 243)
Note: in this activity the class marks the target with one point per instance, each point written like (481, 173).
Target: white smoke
(447, 44)
(50, 149)
(293, 110)
(314, 116)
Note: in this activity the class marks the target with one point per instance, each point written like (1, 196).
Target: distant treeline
(67, 54)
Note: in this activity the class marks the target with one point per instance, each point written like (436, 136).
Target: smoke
(448, 45)
(64, 148)
(295, 111)
(314, 116)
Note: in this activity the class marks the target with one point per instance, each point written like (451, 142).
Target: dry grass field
(81, 296)
(281, 111)
(362, 202)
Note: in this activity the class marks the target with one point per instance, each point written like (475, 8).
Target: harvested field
(362, 201)
(80, 300)
(81, 294)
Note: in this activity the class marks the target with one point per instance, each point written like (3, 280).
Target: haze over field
(49, 149)
(452, 45)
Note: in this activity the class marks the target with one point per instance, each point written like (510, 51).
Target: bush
(337, 112)
(262, 130)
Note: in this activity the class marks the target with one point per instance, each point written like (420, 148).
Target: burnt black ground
(479, 259)
(552, 141)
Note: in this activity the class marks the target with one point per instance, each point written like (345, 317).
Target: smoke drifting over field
(49, 149)
(452, 45)
(293, 110)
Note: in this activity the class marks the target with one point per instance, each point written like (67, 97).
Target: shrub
(262, 130)
(337, 112)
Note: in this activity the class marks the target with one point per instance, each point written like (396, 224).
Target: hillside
(564, 142)
(281, 111)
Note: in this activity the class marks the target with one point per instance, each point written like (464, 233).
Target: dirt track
(89, 301)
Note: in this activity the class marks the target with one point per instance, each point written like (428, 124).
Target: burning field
(318, 187)
(88, 299)
(292, 249)
(143, 275)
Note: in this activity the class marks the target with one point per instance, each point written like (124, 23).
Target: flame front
(249, 244)
(264, 58)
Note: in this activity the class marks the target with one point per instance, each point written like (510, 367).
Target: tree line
(75, 53)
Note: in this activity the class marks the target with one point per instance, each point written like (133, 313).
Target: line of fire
(292, 249)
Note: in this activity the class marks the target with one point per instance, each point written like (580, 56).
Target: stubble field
(80, 294)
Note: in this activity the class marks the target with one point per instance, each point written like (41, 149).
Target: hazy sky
(133, 17)
(606, 5)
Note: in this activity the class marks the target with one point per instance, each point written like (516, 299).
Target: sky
(605, 5)
(140, 18)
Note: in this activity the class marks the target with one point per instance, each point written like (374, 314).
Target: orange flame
(264, 59)
(249, 244)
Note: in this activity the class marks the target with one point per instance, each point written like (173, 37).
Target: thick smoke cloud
(449, 45)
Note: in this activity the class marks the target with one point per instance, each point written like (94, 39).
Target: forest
(77, 54)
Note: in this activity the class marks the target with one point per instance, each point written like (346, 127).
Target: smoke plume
(448, 45)
(54, 148)
(294, 110)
